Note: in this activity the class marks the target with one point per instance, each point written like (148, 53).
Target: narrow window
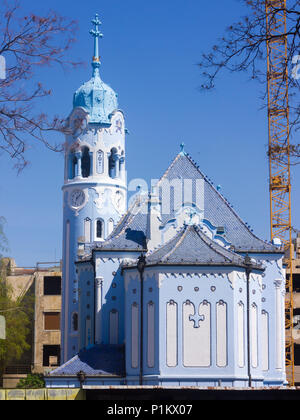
(113, 327)
(172, 334)
(135, 336)
(151, 335)
(113, 163)
(75, 322)
(86, 163)
(100, 229)
(73, 170)
(110, 226)
(100, 162)
(87, 230)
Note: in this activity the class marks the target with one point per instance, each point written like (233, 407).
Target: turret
(95, 185)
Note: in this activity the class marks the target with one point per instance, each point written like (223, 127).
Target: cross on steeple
(96, 34)
(197, 319)
(182, 149)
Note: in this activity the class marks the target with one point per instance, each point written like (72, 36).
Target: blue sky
(150, 52)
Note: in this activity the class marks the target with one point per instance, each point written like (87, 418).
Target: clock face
(77, 198)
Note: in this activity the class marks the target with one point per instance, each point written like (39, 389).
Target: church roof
(98, 99)
(131, 233)
(217, 210)
(192, 247)
(99, 360)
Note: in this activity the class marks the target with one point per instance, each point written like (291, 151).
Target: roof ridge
(169, 168)
(214, 245)
(131, 216)
(163, 245)
(178, 243)
(65, 364)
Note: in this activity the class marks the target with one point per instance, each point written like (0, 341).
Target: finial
(96, 34)
(182, 151)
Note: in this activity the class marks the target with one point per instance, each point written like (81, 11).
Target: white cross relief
(197, 319)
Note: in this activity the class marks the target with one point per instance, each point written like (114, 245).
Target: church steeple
(96, 97)
(96, 34)
(95, 187)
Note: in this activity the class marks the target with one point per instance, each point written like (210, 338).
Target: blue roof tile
(192, 247)
(100, 360)
(217, 209)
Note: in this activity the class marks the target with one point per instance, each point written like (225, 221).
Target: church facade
(174, 291)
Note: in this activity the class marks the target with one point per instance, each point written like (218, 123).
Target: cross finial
(182, 149)
(96, 34)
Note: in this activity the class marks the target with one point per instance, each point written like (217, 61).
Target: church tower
(95, 185)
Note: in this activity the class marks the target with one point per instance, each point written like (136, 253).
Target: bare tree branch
(27, 43)
(243, 49)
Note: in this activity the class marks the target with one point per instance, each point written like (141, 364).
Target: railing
(18, 370)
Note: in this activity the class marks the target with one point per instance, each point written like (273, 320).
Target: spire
(96, 34)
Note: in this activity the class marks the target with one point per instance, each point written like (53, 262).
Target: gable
(188, 190)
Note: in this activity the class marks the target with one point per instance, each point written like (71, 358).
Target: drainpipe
(248, 267)
(141, 268)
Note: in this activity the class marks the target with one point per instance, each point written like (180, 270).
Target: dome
(97, 98)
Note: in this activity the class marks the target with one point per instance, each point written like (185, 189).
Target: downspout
(141, 268)
(248, 264)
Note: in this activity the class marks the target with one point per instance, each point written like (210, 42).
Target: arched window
(113, 163)
(110, 226)
(122, 164)
(100, 229)
(73, 166)
(113, 327)
(75, 322)
(87, 230)
(100, 162)
(86, 162)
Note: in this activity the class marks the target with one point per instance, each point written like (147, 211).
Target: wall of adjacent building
(24, 281)
(45, 304)
(42, 395)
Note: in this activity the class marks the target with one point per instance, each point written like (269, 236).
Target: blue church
(173, 290)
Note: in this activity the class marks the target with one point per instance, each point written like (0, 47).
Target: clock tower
(95, 185)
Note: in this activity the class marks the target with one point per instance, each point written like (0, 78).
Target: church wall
(272, 307)
(86, 305)
(255, 344)
(151, 326)
(112, 295)
(200, 298)
(222, 302)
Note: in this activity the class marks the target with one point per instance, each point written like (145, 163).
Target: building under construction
(43, 283)
(296, 309)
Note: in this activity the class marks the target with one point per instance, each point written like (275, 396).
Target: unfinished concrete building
(296, 299)
(44, 283)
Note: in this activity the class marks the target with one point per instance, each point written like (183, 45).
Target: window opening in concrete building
(52, 286)
(52, 321)
(51, 356)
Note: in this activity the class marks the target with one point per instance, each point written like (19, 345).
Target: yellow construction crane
(279, 154)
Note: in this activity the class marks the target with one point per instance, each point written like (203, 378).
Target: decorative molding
(232, 279)
(278, 283)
